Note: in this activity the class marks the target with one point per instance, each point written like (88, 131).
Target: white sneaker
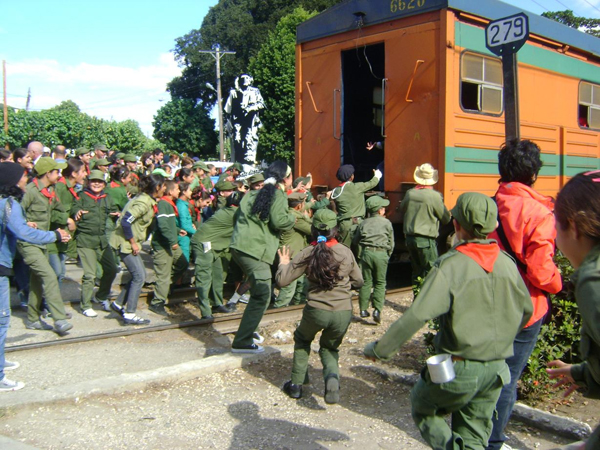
(89, 313)
(9, 385)
(244, 298)
(257, 338)
(11, 365)
(106, 305)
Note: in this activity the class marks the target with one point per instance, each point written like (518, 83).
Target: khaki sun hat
(426, 175)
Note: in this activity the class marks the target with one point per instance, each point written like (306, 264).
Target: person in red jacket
(526, 231)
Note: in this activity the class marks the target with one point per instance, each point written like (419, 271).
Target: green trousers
(471, 399)
(423, 253)
(346, 230)
(334, 325)
(259, 277)
(373, 265)
(43, 284)
(169, 265)
(90, 258)
(292, 294)
(208, 274)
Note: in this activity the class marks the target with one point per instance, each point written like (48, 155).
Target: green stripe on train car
(485, 162)
(576, 164)
(473, 38)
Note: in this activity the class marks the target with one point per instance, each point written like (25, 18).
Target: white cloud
(109, 92)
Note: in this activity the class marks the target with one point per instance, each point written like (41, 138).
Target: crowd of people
(490, 291)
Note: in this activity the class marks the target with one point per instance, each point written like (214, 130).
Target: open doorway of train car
(363, 70)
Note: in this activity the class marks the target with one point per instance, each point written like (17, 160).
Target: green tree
(273, 70)
(566, 17)
(184, 126)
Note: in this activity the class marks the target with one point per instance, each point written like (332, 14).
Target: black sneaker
(231, 306)
(364, 314)
(117, 308)
(159, 309)
(332, 389)
(135, 320)
(38, 325)
(292, 390)
(253, 348)
(221, 309)
(377, 316)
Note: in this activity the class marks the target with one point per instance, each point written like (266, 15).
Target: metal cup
(441, 368)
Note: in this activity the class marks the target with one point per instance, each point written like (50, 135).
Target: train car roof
(345, 17)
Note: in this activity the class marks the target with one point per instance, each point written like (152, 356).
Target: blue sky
(113, 57)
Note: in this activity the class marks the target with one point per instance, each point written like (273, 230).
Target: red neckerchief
(172, 203)
(135, 175)
(70, 188)
(421, 186)
(94, 196)
(87, 169)
(483, 254)
(115, 184)
(330, 243)
(155, 208)
(45, 191)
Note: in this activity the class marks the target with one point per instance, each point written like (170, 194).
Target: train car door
(363, 73)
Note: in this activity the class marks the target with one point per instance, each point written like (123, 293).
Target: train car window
(481, 84)
(589, 105)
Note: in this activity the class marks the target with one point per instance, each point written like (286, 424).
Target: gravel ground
(243, 408)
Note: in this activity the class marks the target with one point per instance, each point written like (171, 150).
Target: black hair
(264, 198)
(158, 151)
(118, 173)
(73, 165)
(200, 193)
(519, 161)
(321, 264)
(579, 201)
(183, 186)
(11, 191)
(150, 183)
(184, 172)
(19, 153)
(4, 154)
(234, 199)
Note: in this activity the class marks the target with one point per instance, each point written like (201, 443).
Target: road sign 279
(509, 33)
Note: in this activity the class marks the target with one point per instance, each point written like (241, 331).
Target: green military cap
(159, 171)
(255, 178)
(102, 162)
(129, 158)
(200, 165)
(97, 175)
(476, 213)
(82, 151)
(375, 203)
(45, 164)
(324, 219)
(303, 180)
(225, 185)
(100, 147)
(297, 196)
(236, 166)
(120, 155)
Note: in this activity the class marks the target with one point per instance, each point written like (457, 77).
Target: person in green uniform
(84, 154)
(263, 214)
(101, 164)
(132, 229)
(256, 181)
(295, 240)
(375, 241)
(91, 210)
(210, 244)
(350, 201)
(201, 171)
(423, 210)
(332, 272)
(39, 204)
(304, 184)
(481, 302)
(169, 262)
(224, 189)
(231, 173)
(72, 176)
(577, 212)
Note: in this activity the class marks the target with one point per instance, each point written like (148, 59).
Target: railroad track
(223, 324)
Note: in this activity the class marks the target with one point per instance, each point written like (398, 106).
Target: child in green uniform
(169, 262)
(375, 240)
(482, 302)
(331, 271)
(91, 211)
(295, 240)
(577, 212)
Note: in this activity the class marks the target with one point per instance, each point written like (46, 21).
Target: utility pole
(5, 105)
(217, 53)
(28, 99)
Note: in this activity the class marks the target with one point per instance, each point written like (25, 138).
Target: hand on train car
(377, 173)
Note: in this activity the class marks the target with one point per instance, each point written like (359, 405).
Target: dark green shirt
(91, 227)
(217, 229)
(349, 198)
(377, 232)
(423, 209)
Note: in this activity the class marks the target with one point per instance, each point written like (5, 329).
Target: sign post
(504, 37)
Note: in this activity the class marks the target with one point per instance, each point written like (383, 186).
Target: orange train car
(416, 75)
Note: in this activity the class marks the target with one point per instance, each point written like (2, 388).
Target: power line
(592, 5)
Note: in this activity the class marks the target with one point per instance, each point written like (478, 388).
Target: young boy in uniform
(375, 240)
(482, 302)
(296, 240)
(169, 262)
